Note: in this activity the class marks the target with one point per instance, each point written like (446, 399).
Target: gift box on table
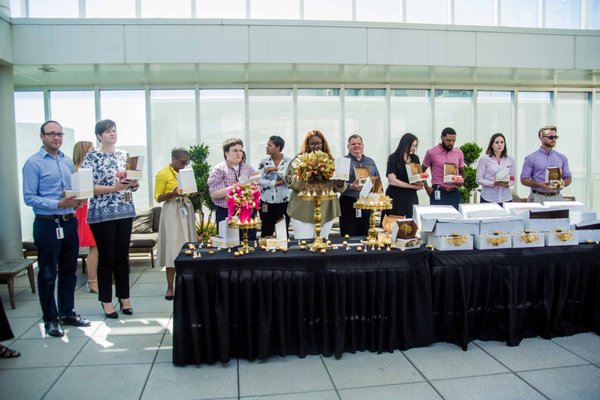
(562, 238)
(482, 210)
(228, 237)
(404, 234)
(548, 220)
(588, 232)
(578, 212)
(493, 241)
(426, 216)
(528, 239)
(506, 224)
(451, 242)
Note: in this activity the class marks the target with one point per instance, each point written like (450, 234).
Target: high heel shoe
(88, 288)
(112, 315)
(127, 311)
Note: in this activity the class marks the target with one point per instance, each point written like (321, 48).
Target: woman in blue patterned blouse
(110, 215)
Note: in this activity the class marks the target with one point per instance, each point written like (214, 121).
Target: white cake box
(588, 231)
(578, 212)
(407, 244)
(548, 220)
(426, 216)
(445, 227)
(186, 181)
(532, 239)
(564, 238)
(221, 242)
(481, 210)
(135, 165)
(522, 209)
(506, 224)
(490, 242)
(445, 243)
(82, 184)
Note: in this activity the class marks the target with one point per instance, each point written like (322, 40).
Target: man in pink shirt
(440, 192)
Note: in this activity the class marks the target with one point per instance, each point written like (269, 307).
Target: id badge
(437, 195)
(60, 234)
(265, 207)
(358, 213)
(183, 211)
(127, 197)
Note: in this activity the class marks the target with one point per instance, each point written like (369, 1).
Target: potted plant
(204, 225)
(471, 152)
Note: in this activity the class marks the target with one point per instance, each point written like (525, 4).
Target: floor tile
(534, 353)
(488, 387)
(20, 325)
(284, 375)
(37, 331)
(421, 391)
(443, 360)
(205, 382)
(100, 382)
(152, 277)
(165, 351)
(371, 369)
(30, 383)
(136, 324)
(585, 345)
(48, 352)
(27, 308)
(119, 350)
(153, 304)
(580, 383)
(323, 395)
(149, 289)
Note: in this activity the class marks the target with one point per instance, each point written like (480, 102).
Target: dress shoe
(127, 311)
(75, 320)
(112, 315)
(169, 297)
(53, 328)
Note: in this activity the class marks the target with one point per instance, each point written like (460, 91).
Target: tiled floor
(130, 358)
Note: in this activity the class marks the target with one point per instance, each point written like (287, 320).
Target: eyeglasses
(54, 134)
(183, 162)
(315, 144)
(551, 137)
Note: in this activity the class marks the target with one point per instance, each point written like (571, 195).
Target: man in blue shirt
(46, 176)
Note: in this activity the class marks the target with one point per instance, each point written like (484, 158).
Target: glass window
(593, 17)
(574, 130)
(495, 114)
(75, 110)
(427, 11)
(128, 109)
(379, 10)
(110, 8)
(166, 9)
(335, 10)
(411, 113)
(563, 14)
(596, 157)
(173, 116)
(454, 108)
(54, 9)
(29, 115)
(522, 13)
(534, 111)
(474, 12)
(275, 9)
(320, 109)
(16, 11)
(366, 115)
(222, 117)
(221, 9)
(271, 113)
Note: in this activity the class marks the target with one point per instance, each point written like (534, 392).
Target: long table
(301, 303)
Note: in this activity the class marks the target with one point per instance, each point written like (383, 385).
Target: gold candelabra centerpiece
(253, 223)
(373, 202)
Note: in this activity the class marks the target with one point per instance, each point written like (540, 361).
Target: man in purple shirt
(440, 192)
(533, 173)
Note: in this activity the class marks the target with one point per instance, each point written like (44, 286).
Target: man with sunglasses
(534, 168)
(46, 176)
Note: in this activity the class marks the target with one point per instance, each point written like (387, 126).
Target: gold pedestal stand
(245, 227)
(372, 239)
(317, 198)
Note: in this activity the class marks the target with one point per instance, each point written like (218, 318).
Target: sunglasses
(551, 137)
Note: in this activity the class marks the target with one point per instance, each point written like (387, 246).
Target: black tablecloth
(511, 294)
(300, 303)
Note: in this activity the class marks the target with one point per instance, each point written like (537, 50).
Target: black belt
(64, 217)
(445, 189)
(544, 193)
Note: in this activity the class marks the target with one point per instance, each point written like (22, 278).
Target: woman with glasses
(177, 223)
(496, 172)
(302, 212)
(110, 215)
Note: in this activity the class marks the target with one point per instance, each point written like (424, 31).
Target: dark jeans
(349, 224)
(446, 198)
(275, 211)
(56, 257)
(221, 214)
(112, 240)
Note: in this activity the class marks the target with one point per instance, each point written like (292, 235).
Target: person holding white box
(177, 224)
(496, 172)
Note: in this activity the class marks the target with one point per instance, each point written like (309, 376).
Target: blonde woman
(86, 238)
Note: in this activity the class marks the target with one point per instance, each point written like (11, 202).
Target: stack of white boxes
(496, 226)
(583, 219)
(444, 228)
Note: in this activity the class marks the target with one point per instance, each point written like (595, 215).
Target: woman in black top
(403, 194)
